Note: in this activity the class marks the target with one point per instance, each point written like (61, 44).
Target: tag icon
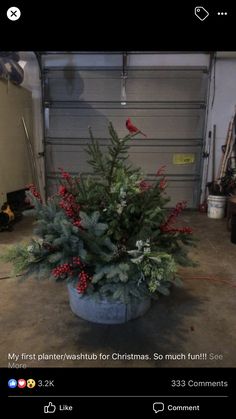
(201, 13)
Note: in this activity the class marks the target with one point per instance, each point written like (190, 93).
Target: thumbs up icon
(51, 408)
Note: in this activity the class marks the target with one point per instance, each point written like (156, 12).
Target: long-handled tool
(31, 155)
(227, 148)
(206, 155)
(213, 186)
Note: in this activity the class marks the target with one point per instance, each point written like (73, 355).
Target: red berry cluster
(77, 223)
(187, 230)
(65, 175)
(62, 190)
(68, 200)
(69, 205)
(34, 192)
(77, 261)
(144, 186)
(62, 270)
(83, 282)
(166, 227)
(162, 184)
(161, 170)
(66, 269)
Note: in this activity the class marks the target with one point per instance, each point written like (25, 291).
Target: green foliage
(108, 224)
(90, 223)
(19, 257)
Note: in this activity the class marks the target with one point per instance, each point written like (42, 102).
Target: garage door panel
(178, 90)
(74, 158)
(177, 123)
(150, 159)
(141, 86)
(183, 190)
(86, 90)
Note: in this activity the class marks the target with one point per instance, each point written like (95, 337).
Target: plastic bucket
(216, 206)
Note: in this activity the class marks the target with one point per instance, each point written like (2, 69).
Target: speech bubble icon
(158, 407)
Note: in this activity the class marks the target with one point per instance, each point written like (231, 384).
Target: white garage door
(167, 103)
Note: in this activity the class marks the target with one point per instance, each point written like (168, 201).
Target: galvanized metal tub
(105, 311)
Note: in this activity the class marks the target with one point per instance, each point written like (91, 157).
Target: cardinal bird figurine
(132, 129)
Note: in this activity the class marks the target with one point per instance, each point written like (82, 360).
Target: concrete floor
(199, 319)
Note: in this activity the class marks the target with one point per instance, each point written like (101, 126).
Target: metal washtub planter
(104, 311)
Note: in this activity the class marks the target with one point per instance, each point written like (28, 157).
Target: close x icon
(13, 13)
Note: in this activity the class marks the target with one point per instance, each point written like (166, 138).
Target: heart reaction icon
(21, 383)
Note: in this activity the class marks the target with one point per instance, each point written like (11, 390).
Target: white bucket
(216, 206)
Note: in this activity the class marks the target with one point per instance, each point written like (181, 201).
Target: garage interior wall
(32, 82)
(221, 104)
(219, 110)
(15, 167)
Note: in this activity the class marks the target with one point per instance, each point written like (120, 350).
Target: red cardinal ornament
(132, 129)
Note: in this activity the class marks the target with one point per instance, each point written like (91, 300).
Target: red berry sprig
(144, 186)
(66, 269)
(77, 223)
(167, 228)
(83, 282)
(68, 204)
(77, 261)
(187, 230)
(62, 190)
(62, 270)
(161, 170)
(162, 184)
(34, 192)
(65, 175)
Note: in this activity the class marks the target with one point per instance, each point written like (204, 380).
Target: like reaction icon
(12, 383)
(50, 408)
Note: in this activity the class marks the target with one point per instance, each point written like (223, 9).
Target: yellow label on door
(183, 158)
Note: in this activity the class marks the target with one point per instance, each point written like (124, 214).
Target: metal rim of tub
(105, 311)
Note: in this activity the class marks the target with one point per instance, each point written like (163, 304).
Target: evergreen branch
(97, 160)
(119, 147)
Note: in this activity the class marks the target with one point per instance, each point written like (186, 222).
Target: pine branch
(119, 147)
(97, 160)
